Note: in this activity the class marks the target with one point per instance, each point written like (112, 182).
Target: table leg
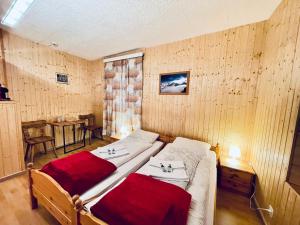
(84, 132)
(53, 134)
(74, 135)
(64, 139)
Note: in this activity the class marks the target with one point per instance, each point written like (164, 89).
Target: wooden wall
(11, 149)
(294, 171)
(221, 104)
(2, 62)
(277, 108)
(30, 70)
(96, 70)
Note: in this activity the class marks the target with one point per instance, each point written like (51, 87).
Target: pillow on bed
(145, 136)
(202, 148)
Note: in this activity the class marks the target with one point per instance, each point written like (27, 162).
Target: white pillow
(202, 148)
(144, 136)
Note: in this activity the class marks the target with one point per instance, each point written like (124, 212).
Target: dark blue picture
(175, 83)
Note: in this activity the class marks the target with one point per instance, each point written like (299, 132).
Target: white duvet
(201, 186)
(199, 189)
(133, 148)
(202, 178)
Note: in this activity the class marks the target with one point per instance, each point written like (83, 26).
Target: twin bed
(141, 146)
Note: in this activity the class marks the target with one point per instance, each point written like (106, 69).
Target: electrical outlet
(271, 211)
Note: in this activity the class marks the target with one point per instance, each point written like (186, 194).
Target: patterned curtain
(122, 106)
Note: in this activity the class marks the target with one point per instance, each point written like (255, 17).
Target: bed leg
(33, 200)
(78, 205)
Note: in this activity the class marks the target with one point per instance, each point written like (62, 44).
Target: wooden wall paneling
(295, 218)
(3, 78)
(263, 132)
(11, 151)
(290, 52)
(288, 96)
(219, 87)
(290, 206)
(277, 107)
(226, 121)
(97, 72)
(31, 69)
(196, 83)
(222, 87)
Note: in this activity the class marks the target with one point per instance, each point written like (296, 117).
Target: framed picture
(174, 83)
(62, 78)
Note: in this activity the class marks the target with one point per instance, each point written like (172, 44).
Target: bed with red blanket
(81, 176)
(147, 201)
(75, 178)
(141, 199)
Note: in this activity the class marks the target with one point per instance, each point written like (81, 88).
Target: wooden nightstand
(237, 176)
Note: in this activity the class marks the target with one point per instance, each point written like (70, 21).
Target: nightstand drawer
(237, 176)
(231, 184)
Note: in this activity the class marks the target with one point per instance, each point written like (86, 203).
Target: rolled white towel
(111, 148)
(112, 154)
(176, 172)
(174, 164)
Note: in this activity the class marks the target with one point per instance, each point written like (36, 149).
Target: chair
(41, 138)
(91, 126)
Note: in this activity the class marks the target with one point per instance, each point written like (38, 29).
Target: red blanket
(140, 199)
(79, 172)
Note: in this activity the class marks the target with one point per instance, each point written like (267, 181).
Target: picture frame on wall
(62, 78)
(176, 83)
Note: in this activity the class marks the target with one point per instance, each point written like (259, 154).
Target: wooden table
(66, 124)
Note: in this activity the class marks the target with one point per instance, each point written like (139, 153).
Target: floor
(15, 208)
(233, 209)
(41, 158)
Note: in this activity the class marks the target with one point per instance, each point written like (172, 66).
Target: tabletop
(66, 123)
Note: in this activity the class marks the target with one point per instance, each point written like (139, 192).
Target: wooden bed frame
(66, 209)
(45, 190)
(86, 218)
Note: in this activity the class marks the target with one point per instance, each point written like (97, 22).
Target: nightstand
(237, 176)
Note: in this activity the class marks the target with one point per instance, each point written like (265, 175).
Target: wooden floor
(41, 158)
(15, 208)
(233, 209)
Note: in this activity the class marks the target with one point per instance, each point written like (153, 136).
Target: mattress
(202, 188)
(131, 166)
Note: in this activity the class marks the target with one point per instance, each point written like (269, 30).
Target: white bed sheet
(124, 170)
(202, 188)
(203, 191)
(133, 147)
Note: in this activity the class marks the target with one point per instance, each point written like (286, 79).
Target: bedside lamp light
(234, 152)
(124, 132)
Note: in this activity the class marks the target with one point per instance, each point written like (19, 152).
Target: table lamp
(234, 154)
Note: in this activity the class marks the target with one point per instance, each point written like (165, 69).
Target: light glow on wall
(15, 12)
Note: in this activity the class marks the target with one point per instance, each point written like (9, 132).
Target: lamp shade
(234, 152)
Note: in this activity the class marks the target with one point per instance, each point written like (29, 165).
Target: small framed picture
(174, 83)
(62, 78)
